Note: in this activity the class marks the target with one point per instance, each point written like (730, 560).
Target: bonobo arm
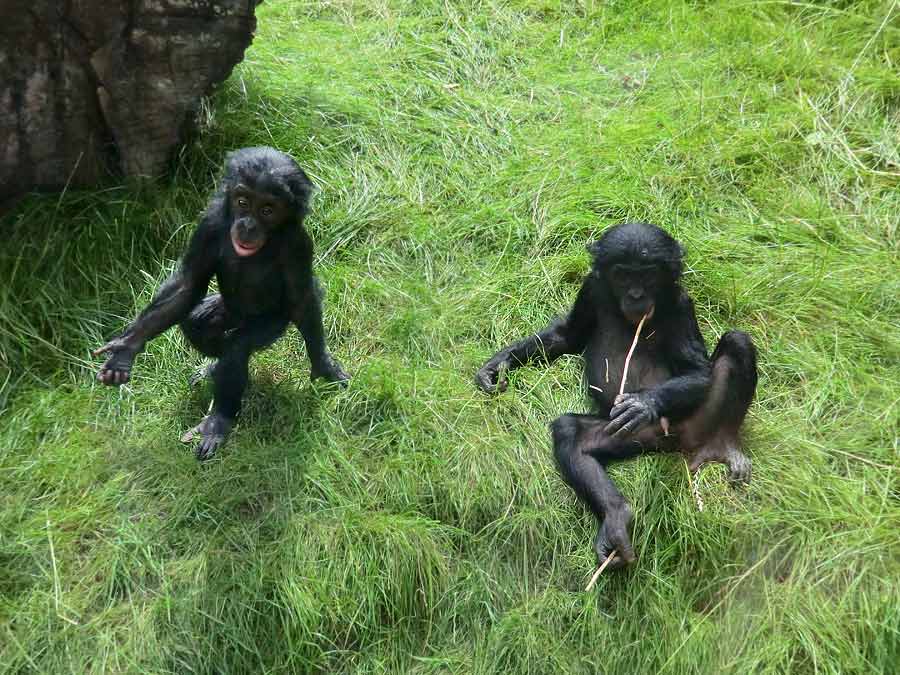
(567, 335)
(678, 397)
(171, 303)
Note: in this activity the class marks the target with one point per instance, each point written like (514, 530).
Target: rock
(94, 87)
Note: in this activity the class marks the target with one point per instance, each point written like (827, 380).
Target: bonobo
(251, 238)
(675, 395)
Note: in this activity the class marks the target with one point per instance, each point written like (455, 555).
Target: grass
(466, 152)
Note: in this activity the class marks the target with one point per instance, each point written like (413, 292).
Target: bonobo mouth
(245, 249)
(634, 316)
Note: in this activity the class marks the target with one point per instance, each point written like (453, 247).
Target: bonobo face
(257, 215)
(635, 288)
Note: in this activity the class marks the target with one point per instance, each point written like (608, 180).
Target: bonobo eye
(628, 275)
(619, 273)
(242, 202)
(266, 211)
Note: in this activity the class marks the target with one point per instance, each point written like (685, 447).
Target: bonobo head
(266, 193)
(640, 264)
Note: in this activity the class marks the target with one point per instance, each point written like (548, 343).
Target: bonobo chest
(604, 361)
(252, 286)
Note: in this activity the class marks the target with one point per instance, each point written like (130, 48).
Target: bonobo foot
(213, 430)
(203, 372)
(739, 465)
(613, 536)
(331, 371)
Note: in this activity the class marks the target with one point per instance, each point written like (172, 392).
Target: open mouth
(243, 250)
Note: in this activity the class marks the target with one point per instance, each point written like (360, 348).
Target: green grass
(466, 152)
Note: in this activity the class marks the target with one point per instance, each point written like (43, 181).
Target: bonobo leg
(583, 449)
(322, 363)
(214, 333)
(207, 328)
(712, 433)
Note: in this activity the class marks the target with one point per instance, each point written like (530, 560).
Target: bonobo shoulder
(681, 307)
(296, 255)
(683, 301)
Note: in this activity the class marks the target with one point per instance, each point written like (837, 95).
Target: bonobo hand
(630, 413)
(492, 376)
(613, 536)
(117, 369)
(331, 371)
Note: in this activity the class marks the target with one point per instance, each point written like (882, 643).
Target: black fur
(671, 384)
(252, 239)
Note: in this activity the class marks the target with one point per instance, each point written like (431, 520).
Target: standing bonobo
(676, 396)
(252, 239)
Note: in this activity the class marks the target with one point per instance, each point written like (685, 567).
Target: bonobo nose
(246, 226)
(635, 293)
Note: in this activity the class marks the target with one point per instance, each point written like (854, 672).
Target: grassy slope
(466, 153)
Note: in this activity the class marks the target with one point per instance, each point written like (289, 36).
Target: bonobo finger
(621, 560)
(626, 554)
(613, 541)
(485, 378)
(622, 407)
(106, 376)
(102, 350)
(628, 428)
(620, 420)
(330, 371)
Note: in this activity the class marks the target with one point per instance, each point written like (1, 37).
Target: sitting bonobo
(675, 395)
(252, 239)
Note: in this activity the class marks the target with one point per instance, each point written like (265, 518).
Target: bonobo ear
(676, 264)
(299, 185)
(229, 176)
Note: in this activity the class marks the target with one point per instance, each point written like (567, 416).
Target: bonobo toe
(207, 448)
(214, 430)
(203, 372)
(740, 469)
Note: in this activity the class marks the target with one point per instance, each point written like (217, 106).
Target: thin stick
(634, 342)
(637, 335)
(56, 589)
(599, 571)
